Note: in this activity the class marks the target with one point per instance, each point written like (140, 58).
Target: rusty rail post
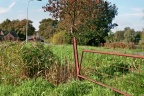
(76, 57)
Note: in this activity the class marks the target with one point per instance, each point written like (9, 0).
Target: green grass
(40, 87)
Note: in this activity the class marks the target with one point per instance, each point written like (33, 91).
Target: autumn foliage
(75, 11)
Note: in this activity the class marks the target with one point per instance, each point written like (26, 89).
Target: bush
(38, 58)
(61, 38)
(20, 61)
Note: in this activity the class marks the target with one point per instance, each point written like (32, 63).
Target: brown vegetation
(114, 45)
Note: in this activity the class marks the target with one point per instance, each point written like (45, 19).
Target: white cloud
(137, 9)
(132, 14)
(4, 10)
(136, 12)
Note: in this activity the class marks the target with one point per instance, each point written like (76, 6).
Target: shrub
(61, 38)
(38, 58)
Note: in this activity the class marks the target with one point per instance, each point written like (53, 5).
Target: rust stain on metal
(76, 57)
(113, 53)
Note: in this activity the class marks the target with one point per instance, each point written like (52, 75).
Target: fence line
(111, 70)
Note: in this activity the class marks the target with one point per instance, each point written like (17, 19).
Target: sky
(130, 12)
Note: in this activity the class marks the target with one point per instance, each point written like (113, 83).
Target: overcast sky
(130, 12)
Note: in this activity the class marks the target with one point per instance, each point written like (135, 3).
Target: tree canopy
(93, 18)
(127, 35)
(47, 27)
(19, 26)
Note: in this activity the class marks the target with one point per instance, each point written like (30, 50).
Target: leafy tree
(98, 23)
(47, 27)
(6, 26)
(93, 16)
(110, 38)
(18, 26)
(138, 36)
(61, 38)
(119, 36)
(69, 10)
(129, 34)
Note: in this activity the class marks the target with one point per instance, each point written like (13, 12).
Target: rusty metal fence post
(76, 56)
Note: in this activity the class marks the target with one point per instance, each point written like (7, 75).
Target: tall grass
(11, 63)
(20, 61)
(40, 87)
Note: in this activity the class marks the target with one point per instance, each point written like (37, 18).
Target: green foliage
(138, 37)
(5, 25)
(82, 88)
(129, 35)
(141, 43)
(95, 29)
(38, 58)
(19, 26)
(90, 21)
(6, 90)
(87, 37)
(38, 87)
(74, 88)
(47, 28)
(118, 69)
(110, 38)
(61, 37)
(119, 36)
(65, 55)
